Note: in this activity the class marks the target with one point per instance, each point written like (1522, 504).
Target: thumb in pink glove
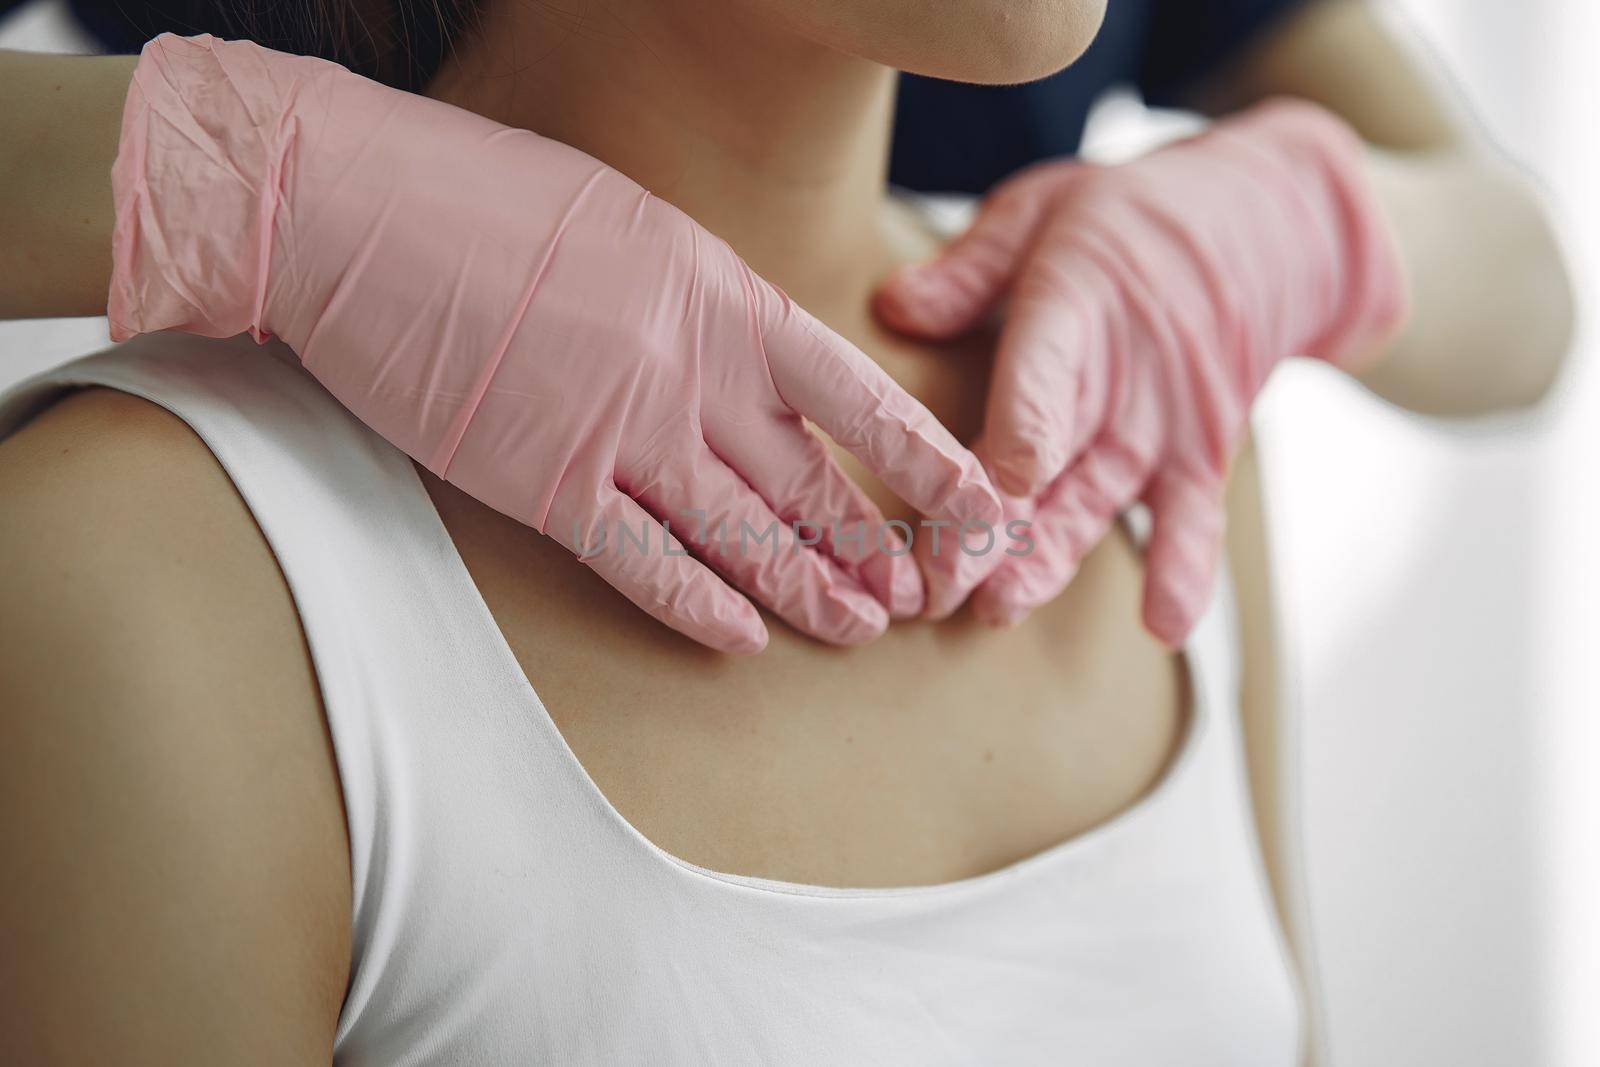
(1147, 304)
(534, 328)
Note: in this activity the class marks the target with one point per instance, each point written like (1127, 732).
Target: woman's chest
(937, 752)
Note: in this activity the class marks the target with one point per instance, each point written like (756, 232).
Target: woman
(651, 872)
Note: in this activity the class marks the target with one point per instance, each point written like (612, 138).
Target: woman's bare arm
(174, 879)
(1492, 307)
(58, 139)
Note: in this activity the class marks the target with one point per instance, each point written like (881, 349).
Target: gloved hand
(532, 327)
(1147, 304)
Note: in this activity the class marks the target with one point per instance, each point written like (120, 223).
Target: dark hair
(398, 42)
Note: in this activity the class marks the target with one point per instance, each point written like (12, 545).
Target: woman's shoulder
(163, 737)
(123, 515)
(113, 490)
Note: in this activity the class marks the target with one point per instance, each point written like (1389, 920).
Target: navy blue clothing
(951, 137)
(948, 136)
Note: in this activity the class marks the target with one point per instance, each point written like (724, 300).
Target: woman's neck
(776, 144)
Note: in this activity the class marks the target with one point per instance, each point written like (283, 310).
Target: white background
(1442, 600)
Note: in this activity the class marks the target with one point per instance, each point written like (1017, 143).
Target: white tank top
(505, 913)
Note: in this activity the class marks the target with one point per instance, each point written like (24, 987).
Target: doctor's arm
(58, 137)
(1492, 307)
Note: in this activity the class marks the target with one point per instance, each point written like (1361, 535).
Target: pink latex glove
(531, 326)
(1147, 304)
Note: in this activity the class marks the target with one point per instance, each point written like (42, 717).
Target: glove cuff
(1369, 300)
(196, 185)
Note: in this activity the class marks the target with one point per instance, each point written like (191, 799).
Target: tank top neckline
(492, 638)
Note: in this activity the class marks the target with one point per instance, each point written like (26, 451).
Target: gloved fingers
(851, 399)
(793, 471)
(1071, 518)
(737, 534)
(955, 559)
(1187, 513)
(665, 581)
(1057, 351)
(951, 293)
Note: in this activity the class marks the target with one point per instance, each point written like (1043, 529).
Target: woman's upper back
(505, 909)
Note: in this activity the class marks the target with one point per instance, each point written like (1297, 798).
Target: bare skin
(161, 729)
(59, 128)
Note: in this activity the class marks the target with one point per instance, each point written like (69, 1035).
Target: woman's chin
(1020, 41)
